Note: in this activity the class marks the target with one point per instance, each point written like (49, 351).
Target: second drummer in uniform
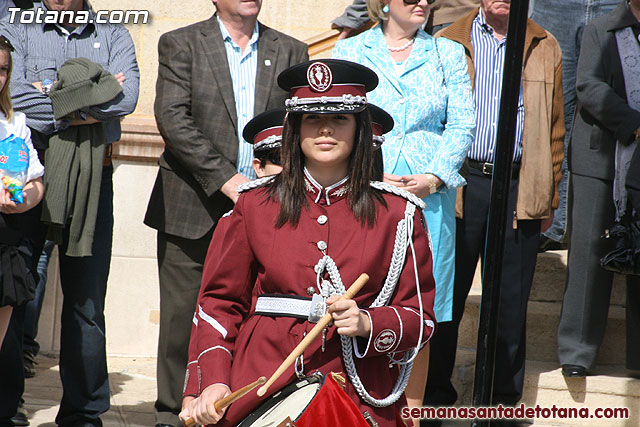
(264, 131)
(303, 236)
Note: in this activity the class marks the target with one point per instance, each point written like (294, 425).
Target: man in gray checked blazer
(204, 98)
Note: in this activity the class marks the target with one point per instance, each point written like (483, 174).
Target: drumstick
(322, 323)
(226, 401)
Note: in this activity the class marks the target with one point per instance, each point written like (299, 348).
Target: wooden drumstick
(322, 323)
(226, 401)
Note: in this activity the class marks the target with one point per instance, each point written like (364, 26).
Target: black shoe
(163, 425)
(20, 418)
(29, 363)
(547, 244)
(574, 371)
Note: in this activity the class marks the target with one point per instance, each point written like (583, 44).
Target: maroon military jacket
(249, 256)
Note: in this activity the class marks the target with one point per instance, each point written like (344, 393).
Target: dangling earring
(385, 9)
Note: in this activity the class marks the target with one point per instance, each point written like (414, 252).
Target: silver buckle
(318, 308)
(487, 168)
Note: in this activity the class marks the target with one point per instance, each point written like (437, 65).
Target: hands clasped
(417, 184)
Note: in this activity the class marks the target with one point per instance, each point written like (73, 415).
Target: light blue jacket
(433, 113)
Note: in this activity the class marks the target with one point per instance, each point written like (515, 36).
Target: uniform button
(322, 219)
(311, 290)
(322, 245)
(401, 100)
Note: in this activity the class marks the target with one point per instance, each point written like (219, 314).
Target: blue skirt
(440, 216)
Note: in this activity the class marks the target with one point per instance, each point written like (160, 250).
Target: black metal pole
(497, 221)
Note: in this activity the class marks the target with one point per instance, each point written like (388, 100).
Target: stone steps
(542, 331)
(543, 314)
(609, 385)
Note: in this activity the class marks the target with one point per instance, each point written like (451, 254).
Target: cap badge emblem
(319, 76)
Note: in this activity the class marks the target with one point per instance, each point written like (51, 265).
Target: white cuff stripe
(213, 322)
(214, 348)
(355, 342)
(401, 329)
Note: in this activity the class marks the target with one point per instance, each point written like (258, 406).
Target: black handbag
(625, 257)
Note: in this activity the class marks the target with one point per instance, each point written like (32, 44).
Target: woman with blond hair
(17, 286)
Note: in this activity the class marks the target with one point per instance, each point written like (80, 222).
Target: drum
(311, 402)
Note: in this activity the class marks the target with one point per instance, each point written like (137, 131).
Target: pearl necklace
(403, 47)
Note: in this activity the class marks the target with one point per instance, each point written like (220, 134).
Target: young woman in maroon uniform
(313, 229)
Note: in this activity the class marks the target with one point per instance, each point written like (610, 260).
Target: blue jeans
(566, 19)
(83, 356)
(34, 307)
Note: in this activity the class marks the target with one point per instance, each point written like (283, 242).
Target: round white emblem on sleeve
(385, 340)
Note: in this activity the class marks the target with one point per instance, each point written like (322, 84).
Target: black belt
(487, 168)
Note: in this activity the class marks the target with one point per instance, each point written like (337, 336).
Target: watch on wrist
(433, 187)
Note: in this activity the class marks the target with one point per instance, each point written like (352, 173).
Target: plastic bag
(14, 164)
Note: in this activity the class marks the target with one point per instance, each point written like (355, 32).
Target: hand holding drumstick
(202, 411)
(347, 319)
(323, 323)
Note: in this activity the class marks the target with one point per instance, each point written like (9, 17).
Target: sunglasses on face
(5, 43)
(418, 1)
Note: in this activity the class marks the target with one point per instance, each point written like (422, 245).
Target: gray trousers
(587, 295)
(180, 263)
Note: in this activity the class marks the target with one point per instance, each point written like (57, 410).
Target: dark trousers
(180, 263)
(11, 370)
(520, 253)
(34, 307)
(585, 306)
(83, 356)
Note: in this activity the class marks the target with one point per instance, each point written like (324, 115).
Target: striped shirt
(489, 67)
(40, 51)
(243, 67)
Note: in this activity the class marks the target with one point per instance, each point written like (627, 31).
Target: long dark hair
(288, 186)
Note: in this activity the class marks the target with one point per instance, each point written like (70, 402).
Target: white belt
(311, 309)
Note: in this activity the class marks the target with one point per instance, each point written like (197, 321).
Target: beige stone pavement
(132, 388)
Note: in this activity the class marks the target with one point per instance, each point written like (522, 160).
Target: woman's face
(409, 15)
(5, 56)
(327, 140)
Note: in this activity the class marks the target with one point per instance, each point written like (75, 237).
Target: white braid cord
(260, 182)
(404, 239)
(383, 186)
